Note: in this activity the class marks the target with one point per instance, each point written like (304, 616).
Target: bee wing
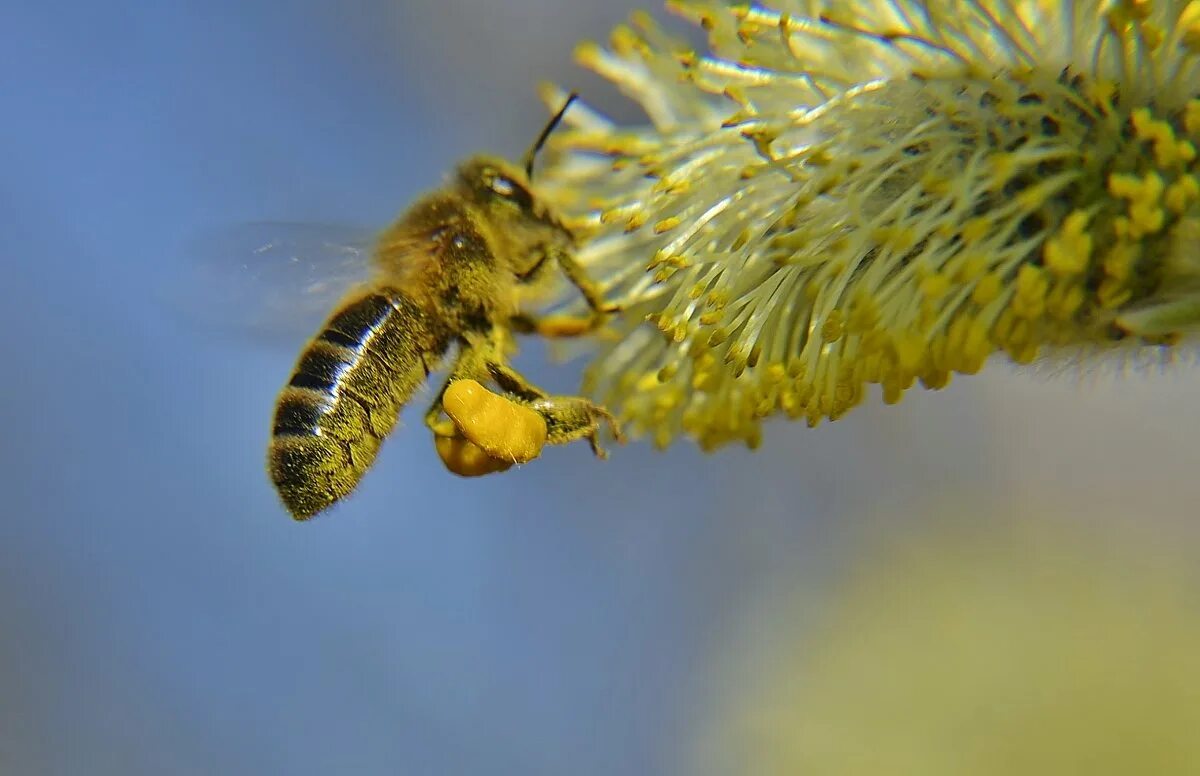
(273, 281)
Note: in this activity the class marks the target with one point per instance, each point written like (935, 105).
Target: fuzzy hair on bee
(456, 272)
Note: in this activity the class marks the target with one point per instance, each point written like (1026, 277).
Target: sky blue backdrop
(159, 613)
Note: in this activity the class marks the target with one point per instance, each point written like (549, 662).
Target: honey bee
(452, 273)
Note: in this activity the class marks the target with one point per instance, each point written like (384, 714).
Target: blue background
(158, 610)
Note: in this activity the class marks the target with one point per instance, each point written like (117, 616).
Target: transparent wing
(273, 281)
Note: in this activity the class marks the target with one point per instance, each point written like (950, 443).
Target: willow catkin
(840, 194)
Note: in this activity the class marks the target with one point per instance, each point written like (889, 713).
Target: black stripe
(313, 383)
(298, 416)
(337, 338)
(319, 369)
(356, 321)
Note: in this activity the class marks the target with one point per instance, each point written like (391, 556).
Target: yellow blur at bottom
(985, 650)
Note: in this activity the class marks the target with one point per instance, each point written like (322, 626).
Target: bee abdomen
(344, 397)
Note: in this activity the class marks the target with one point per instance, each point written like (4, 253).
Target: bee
(454, 272)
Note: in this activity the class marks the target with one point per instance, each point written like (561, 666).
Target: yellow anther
(1065, 299)
(863, 316)
(1029, 301)
(833, 327)
(1068, 252)
(1153, 35)
(1182, 193)
(975, 229)
(667, 224)
(1124, 185)
(987, 289)
(935, 285)
(910, 351)
(1189, 24)
(1142, 119)
(1113, 293)
(935, 184)
(1120, 261)
(976, 348)
(1146, 218)
(972, 266)
(1191, 115)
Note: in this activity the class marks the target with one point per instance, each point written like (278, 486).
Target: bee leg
(556, 325)
(567, 417)
(569, 325)
(581, 280)
(572, 417)
(440, 425)
(513, 382)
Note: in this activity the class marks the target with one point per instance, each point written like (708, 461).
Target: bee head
(501, 192)
(496, 184)
(504, 189)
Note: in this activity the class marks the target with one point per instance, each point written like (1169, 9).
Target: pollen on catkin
(853, 192)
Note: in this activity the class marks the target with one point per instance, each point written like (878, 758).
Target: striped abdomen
(345, 396)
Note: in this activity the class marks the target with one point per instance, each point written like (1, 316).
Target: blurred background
(159, 612)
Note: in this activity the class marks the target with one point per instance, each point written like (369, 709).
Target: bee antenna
(541, 139)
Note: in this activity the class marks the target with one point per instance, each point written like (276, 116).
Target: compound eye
(503, 186)
(509, 189)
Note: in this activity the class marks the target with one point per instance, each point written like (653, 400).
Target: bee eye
(509, 189)
(503, 186)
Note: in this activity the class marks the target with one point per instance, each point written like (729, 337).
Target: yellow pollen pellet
(499, 426)
(463, 457)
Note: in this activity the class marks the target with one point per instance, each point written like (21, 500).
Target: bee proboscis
(454, 271)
